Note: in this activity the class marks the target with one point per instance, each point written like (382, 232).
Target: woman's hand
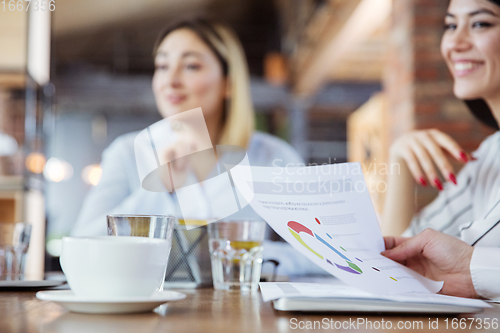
(184, 156)
(437, 256)
(178, 156)
(422, 150)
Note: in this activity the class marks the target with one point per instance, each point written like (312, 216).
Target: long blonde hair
(239, 113)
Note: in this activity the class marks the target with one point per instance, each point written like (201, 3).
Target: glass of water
(236, 254)
(149, 226)
(14, 243)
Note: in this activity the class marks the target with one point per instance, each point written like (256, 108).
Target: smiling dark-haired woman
(468, 206)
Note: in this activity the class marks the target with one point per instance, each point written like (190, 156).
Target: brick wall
(417, 82)
(399, 74)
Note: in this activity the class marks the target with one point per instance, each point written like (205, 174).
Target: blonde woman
(198, 63)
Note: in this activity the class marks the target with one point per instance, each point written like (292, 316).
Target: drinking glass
(236, 254)
(151, 226)
(14, 243)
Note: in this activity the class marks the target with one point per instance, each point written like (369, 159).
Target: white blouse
(120, 192)
(470, 211)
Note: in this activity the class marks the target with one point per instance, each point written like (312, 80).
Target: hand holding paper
(437, 256)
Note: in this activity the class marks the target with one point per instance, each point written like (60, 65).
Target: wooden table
(204, 310)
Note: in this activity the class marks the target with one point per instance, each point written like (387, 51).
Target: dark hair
(204, 28)
(482, 111)
(480, 108)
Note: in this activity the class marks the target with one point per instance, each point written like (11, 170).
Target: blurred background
(338, 79)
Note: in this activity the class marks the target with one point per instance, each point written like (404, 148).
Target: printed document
(326, 213)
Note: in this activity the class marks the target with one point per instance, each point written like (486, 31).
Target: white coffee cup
(114, 267)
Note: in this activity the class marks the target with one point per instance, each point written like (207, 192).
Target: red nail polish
(464, 157)
(452, 178)
(438, 184)
(422, 181)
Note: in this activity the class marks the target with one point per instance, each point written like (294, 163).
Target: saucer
(28, 284)
(74, 303)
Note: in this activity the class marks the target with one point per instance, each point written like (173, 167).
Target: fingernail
(453, 179)
(463, 157)
(422, 181)
(438, 184)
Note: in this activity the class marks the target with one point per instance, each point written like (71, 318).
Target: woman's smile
(176, 98)
(464, 67)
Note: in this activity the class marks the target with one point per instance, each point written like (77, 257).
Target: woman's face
(471, 48)
(188, 75)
